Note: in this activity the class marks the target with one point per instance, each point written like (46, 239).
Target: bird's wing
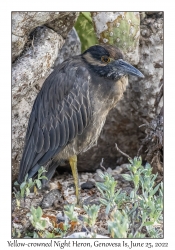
(61, 111)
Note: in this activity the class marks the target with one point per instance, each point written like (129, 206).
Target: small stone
(109, 171)
(84, 176)
(119, 177)
(53, 186)
(118, 170)
(87, 185)
(92, 180)
(98, 178)
(60, 217)
(98, 171)
(124, 166)
(116, 177)
(50, 197)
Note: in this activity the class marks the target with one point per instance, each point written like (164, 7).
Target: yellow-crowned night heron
(71, 108)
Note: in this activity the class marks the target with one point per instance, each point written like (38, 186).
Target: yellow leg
(73, 164)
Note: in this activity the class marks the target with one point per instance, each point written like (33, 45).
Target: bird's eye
(105, 59)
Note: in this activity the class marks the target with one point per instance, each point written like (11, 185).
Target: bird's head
(107, 61)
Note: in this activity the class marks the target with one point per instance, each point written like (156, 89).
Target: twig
(122, 152)
(139, 150)
(142, 125)
(102, 165)
(14, 188)
(33, 46)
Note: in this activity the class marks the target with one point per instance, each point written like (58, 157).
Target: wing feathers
(61, 111)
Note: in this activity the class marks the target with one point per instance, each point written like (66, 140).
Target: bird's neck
(108, 92)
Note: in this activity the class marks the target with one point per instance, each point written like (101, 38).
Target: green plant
(87, 220)
(141, 209)
(69, 212)
(108, 191)
(147, 208)
(138, 215)
(35, 217)
(92, 213)
(118, 226)
(28, 184)
(39, 223)
(85, 30)
(121, 29)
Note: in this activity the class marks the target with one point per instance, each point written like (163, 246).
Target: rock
(71, 47)
(87, 185)
(92, 180)
(28, 75)
(50, 198)
(23, 23)
(64, 23)
(118, 170)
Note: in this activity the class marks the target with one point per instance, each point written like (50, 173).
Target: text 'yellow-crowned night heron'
(71, 108)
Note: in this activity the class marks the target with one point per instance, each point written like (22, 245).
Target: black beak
(128, 69)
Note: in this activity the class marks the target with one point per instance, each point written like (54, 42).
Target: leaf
(108, 208)
(16, 183)
(22, 185)
(101, 186)
(155, 190)
(127, 177)
(35, 235)
(39, 212)
(26, 177)
(148, 223)
(104, 202)
(27, 191)
(38, 183)
(43, 177)
(136, 180)
(132, 194)
(22, 192)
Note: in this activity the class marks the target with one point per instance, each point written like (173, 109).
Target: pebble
(84, 176)
(49, 198)
(87, 185)
(124, 166)
(109, 171)
(118, 170)
(92, 180)
(53, 186)
(119, 177)
(60, 217)
(98, 171)
(98, 178)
